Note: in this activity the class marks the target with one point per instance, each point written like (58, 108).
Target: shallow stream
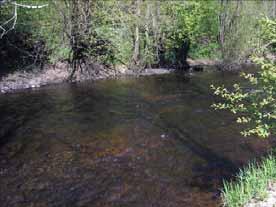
(148, 141)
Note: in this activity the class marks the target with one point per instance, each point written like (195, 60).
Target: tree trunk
(136, 52)
(74, 37)
(156, 29)
(274, 9)
(148, 46)
(222, 22)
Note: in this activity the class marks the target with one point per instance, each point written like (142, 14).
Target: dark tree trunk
(182, 54)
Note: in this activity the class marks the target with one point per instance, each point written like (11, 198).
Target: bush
(256, 105)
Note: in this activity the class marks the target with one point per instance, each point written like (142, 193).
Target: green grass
(251, 182)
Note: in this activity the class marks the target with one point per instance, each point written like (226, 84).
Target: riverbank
(51, 74)
(200, 64)
(255, 186)
(58, 73)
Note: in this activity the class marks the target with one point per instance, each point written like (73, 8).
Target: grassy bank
(251, 182)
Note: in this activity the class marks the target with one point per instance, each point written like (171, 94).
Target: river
(127, 142)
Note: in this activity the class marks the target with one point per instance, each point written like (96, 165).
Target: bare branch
(29, 6)
(13, 19)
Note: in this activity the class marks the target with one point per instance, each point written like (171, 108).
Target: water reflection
(152, 141)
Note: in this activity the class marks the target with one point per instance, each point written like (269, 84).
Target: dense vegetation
(255, 105)
(255, 102)
(134, 33)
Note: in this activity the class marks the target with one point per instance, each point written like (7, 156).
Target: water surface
(150, 141)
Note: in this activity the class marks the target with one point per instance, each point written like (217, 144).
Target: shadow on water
(150, 141)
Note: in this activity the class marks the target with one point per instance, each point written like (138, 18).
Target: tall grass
(251, 182)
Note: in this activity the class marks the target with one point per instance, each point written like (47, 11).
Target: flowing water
(149, 141)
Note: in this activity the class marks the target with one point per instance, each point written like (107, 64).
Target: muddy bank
(59, 73)
(51, 74)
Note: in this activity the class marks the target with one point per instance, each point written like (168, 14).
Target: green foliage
(240, 27)
(114, 24)
(195, 21)
(251, 182)
(256, 106)
(164, 26)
